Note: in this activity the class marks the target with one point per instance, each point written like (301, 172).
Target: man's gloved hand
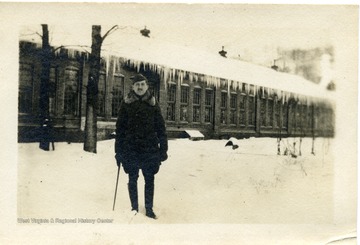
(163, 156)
(119, 159)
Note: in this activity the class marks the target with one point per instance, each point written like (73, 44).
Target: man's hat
(138, 78)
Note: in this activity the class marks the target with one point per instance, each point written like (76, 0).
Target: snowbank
(201, 182)
(205, 193)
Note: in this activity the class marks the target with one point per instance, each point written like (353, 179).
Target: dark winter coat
(140, 132)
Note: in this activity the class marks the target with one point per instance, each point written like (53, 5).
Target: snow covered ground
(202, 183)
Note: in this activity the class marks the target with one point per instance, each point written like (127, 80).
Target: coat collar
(147, 97)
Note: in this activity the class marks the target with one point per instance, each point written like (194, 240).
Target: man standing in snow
(141, 140)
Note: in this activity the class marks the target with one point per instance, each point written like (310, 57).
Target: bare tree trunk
(45, 74)
(92, 91)
(45, 134)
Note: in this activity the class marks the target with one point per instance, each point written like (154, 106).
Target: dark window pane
(196, 113)
(171, 97)
(25, 88)
(184, 94)
(117, 95)
(71, 92)
(223, 99)
(184, 113)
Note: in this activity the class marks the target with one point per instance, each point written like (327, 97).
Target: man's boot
(133, 194)
(149, 197)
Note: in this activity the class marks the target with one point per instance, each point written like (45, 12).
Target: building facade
(221, 108)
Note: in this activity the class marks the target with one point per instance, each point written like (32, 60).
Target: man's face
(140, 87)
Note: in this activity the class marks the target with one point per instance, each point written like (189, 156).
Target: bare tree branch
(115, 27)
(38, 34)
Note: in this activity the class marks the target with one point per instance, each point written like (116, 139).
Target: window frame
(209, 105)
(171, 102)
(117, 94)
(184, 102)
(196, 115)
(71, 105)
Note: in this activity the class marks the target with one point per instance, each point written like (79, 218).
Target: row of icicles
(168, 74)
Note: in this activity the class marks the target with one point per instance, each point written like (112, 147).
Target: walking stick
(117, 181)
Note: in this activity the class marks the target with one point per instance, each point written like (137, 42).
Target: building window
(52, 90)
(184, 102)
(329, 119)
(285, 115)
(233, 102)
(25, 88)
(242, 111)
(292, 115)
(223, 107)
(209, 97)
(196, 104)
(101, 95)
(263, 111)
(71, 92)
(317, 118)
(310, 116)
(277, 113)
(171, 99)
(117, 94)
(251, 109)
(243, 88)
(270, 110)
(303, 115)
(298, 116)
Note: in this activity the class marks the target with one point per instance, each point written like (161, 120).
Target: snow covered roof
(171, 61)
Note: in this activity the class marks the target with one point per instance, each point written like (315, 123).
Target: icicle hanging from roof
(296, 97)
(256, 89)
(212, 80)
(173, 74)
(228, 87)
(231, 84)
(165, 75)
(87, 55)
(191, 77)
(170, 74)
(153, 67)
(57, 51)
(288, 96)
(208, 80)
(278, 93)
(181, 76)
(114, 62)
(107, 65)
(196, 77)
(71, 53)
(163, 78)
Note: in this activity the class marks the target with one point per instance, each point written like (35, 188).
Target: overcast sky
(255, 30)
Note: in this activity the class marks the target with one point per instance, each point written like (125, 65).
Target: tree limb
(115, 27)
(38, 34)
